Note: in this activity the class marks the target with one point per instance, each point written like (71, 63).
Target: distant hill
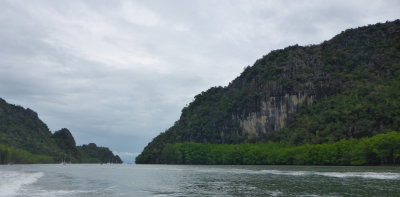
(23, 133)
(344, 88)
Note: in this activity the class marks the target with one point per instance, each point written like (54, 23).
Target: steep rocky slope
(22, 130)
(292, 94)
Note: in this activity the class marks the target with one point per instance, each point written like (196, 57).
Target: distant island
(25, 139)
(335, 103)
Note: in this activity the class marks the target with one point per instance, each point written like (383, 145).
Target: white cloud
(138, 15)
(118, 72)
(181, 28)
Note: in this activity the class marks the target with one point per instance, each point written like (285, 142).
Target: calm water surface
(174, 180)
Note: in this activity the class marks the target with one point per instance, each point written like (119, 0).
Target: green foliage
(365, 110)
(66, 142)
(351, 83)
(26, 139)
(10, 155)
(21, 128)
(91, 153)
(381, 149)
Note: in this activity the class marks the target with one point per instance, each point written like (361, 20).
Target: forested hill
(344, 88)
(24, 138)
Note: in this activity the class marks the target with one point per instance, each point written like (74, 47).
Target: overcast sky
(118, 73)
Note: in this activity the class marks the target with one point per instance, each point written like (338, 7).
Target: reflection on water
(174, 180)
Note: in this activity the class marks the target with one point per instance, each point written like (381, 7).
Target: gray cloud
(118, 72)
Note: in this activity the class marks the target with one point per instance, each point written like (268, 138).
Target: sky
(117, 73)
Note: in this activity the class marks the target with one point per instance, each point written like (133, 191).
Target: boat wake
(12, 181)
(365, 175)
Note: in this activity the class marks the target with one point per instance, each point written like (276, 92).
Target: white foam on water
(12, 181)
(246, 171)
(275, 172)
(291, 173)
(366, 175)
(275, 193)
(53, 193)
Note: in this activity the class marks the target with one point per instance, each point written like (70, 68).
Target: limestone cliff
(267, 98)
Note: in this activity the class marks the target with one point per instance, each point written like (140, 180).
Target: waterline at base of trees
(382, 149)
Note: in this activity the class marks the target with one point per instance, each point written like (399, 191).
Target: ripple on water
(365, 175)
(12, 181)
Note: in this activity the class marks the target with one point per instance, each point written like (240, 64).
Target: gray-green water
(173, 180)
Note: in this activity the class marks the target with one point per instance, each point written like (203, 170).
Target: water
(173, 180)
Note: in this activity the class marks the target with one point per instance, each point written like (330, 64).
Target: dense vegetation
(24, 138)
(366, 110)
(91, 153)
(13, 155)
(344, 88)
(21, 128)
(65, 141)
(380, 149)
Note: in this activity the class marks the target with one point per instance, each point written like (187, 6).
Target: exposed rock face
(284, 81)
(267, 97)
(275, 113)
